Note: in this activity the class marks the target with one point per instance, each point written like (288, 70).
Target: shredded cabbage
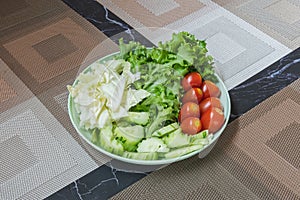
(103, 94)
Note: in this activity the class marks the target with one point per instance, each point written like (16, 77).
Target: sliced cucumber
(204, 141)
(141, 118)
(182, 151)
(200, 138)
(129, 136)
(165, 130)
(107, 142)
(201, 135)
(141, 156)
(176, 139)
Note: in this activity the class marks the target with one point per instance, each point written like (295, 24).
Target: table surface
(106, 181)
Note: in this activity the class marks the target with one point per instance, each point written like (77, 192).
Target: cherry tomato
(210, 102)
(179, 116)
(193, 95)
(191, 125)
(189, 109)
(212, 119)
(193, 79)
(210, 89)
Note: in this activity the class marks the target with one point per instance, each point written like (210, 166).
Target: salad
(151, 103)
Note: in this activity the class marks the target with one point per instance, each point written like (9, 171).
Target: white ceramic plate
(86, 135)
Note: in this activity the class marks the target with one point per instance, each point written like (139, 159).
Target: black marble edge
(106, 181)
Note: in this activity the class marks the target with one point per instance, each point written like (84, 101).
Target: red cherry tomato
(210, 89)
(189, 109)
(191, 125)
(193, 79)
(212, 119)
(179, 116)
(193, 95)
(210, 102)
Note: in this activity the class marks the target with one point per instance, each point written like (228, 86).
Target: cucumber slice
(141, 118)
(204, 141)
(176, 139)
(107, 142)
(165, 130)
(201, 135)
(200, 138)
(141, 156)
(182, 151)
(129, 136)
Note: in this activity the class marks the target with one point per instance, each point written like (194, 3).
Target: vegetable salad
(130, 104)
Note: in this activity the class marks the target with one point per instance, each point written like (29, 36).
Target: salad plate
(89, 131)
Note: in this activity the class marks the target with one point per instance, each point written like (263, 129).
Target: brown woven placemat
(257, 157)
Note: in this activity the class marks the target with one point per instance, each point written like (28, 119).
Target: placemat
(257, 157)
(43, 47)
(240, 50)
(278, 18)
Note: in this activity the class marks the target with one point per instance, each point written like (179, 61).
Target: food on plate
(191, 125)
(193, 95)
(212, 119)
(182, 151)
(102, 95)
(194, 106)
(189, 109)
(150, 103)
(191, 80)
(152, 144)
(210, 89)
(177, 139)
(210, 102)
